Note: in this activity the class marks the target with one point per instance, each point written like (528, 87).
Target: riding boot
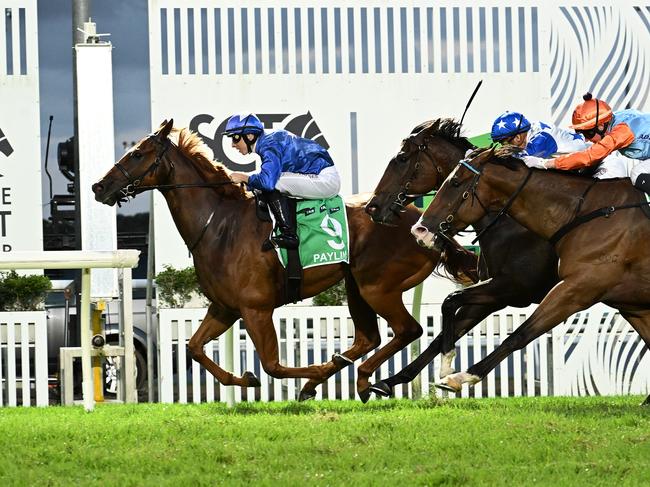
(287, 237)
(643, 182)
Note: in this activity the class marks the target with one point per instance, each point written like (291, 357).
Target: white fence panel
(23, 358)
(594, 352)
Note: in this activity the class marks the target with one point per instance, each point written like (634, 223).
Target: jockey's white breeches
(310, 186)
(642, 167)
(616, 165)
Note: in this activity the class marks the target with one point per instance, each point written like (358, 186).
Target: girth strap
(587, 217)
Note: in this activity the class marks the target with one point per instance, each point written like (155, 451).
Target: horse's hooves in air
(449, 385)
(364, 395)
(306, 396)
(341, 360)
(381, 389)
(646, 402)
(251, 379)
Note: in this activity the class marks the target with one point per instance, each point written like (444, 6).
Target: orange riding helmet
(590, 113)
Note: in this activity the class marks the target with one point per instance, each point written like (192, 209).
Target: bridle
(445, 225)
(133, 187)
(403, 197)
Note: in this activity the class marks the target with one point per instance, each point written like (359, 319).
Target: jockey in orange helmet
(626, 131)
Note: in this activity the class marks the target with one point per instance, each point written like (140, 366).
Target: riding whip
(471, 98)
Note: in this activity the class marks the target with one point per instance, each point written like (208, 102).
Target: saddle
(293, 272)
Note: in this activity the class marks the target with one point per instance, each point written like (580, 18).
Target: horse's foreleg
(561, 302)
(640, 321)
(215, 323)
(461, 311)
(259, 325)
(406, 329)
(366, 337)
(464, 309)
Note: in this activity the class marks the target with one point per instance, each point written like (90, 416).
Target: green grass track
(516, 441)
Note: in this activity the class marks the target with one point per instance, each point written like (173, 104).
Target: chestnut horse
(424, 161)
(218, 222)
(600, 234)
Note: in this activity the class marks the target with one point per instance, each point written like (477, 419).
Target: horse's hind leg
(366, 337)
(215, 323)
(640, 321)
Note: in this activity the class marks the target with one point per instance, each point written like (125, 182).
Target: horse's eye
(137, 154)
(455, 182)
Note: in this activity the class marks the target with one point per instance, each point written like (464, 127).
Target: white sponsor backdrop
(21, 225)
(364, 74)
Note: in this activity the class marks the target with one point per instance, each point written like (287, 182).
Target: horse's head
(424, 160)
(139, 166)
(463, 199)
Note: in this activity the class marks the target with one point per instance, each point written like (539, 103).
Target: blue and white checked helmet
(245, 123)
(508, 125)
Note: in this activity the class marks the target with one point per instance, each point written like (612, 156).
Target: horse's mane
(193, 147)
(446, 128)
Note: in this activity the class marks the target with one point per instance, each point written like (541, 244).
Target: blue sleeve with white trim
(541, 144)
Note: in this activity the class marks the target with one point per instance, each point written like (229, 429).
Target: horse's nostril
(419, 230)
(371, 209)
(96, 188)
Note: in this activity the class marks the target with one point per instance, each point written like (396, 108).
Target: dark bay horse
(600, 234)
(217, 221)
(424, 161)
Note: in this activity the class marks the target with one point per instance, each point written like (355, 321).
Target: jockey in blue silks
(537, 139)
(540, 141)
(291, 165)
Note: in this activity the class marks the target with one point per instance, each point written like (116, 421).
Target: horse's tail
(458, 263)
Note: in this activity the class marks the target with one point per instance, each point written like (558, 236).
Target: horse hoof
(381, 389)
(341, 360)
(251, 379)
(364, 395)
(449, 385)
(306, 396)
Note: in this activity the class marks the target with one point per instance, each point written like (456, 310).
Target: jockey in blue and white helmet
(291, 165)
(540, 141)
(537, 139)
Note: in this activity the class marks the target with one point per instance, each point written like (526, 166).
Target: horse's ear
(165, 129)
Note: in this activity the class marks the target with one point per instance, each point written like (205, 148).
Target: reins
(506, 206)
(133, 188)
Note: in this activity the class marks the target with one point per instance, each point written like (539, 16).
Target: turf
(515, 441)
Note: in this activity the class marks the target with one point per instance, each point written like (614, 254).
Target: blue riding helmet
(245, 123)
(508, 125)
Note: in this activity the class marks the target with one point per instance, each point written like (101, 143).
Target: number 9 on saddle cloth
(322, 228)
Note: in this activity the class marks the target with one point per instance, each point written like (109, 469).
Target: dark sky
(126, 21)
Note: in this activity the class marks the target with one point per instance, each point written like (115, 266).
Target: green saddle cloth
(322, 227)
